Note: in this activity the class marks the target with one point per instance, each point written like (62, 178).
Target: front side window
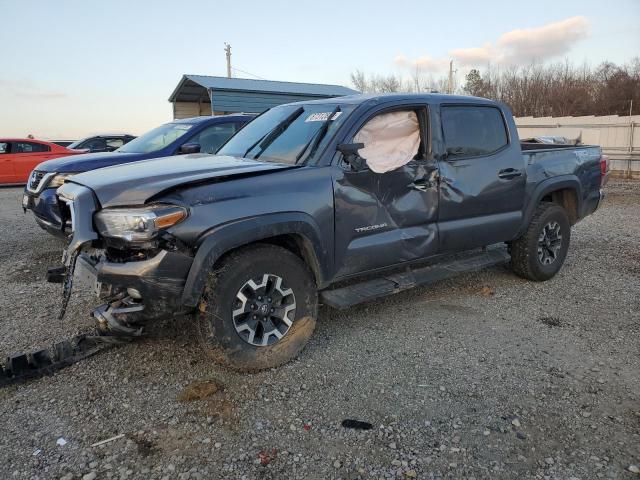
(292, 134)
(156, 139)
(390, 140)
(29, 147)
(212, 138)
(4, 147)
(76, 144)
(94, 144)
(471, 131)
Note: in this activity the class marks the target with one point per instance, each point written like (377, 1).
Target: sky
(71, 68)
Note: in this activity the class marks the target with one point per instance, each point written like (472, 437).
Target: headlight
(59, 179)
(138, 224)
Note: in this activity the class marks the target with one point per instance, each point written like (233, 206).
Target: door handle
(422, 184)
(509, 173)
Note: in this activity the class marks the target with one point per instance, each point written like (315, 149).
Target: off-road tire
(215, 314)
(524, 250)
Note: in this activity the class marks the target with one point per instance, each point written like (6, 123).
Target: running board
(356, 293)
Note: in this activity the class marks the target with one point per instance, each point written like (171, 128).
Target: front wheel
(259, 308)
(540, 252)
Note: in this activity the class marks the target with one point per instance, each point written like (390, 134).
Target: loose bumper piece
(111, 332)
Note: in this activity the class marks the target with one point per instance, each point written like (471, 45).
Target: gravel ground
(483, 376)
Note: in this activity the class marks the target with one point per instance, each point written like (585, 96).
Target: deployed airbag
(390, 140)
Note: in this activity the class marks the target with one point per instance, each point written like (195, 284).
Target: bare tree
(557, 89)
(419, 82)
(359, 80)
(560, 89)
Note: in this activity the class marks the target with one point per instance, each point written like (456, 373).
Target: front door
(383, 219)
(7, 170)
(482, 179)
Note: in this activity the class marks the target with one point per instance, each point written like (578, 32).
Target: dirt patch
(486, 292)
(199, 390)
(146, 446)
(551, 321)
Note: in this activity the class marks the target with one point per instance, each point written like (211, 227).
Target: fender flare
(221, 239)
(547, 186)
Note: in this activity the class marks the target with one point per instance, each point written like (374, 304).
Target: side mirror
(190, 148)
(350, 155)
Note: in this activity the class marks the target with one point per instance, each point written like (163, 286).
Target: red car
(18, 156)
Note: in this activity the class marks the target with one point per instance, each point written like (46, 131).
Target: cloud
(423, 63)
(26, 89)
(539, 43)
(516, 47)
(473, 55)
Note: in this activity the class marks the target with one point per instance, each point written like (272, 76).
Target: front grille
(38, 181)
(34, 180)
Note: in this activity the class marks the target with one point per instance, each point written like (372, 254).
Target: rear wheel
(259, 309)
(540, 252)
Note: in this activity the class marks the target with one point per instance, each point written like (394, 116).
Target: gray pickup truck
(334, 201)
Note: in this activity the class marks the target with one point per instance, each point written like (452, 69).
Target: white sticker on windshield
(183, 127)
(322, 116)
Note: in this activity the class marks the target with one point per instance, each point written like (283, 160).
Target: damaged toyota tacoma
(334, 201)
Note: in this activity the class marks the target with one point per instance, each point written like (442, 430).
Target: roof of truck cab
(398, 97)
(215, 119)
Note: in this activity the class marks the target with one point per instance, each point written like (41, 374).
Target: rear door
(482, 178)
(25, 157)
(382, 219)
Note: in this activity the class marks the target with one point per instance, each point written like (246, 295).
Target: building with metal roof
(205, 95)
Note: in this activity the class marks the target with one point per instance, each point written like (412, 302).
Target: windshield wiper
(315, 139)
(269, 137)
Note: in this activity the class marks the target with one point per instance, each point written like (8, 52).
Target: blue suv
(189, 135)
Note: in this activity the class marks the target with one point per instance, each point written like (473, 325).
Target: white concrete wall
(619, 137)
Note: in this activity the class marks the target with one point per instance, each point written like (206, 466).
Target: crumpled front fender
(82, 205)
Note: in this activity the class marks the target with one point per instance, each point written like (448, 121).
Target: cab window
(471, 131)
(392, 139)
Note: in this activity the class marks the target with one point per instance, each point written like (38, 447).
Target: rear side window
(29, 147)
(471, 131)
(4, 147)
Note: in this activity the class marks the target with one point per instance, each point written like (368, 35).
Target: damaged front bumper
(143, 286)
(156, 282)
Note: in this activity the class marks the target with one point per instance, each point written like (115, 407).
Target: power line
(248, 73)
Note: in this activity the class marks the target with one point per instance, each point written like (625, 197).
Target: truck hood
(135, 183)
(88, 161)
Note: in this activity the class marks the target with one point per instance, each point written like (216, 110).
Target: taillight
(604, 169)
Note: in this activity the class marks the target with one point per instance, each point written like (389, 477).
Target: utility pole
(450, 87)
(227, 49)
